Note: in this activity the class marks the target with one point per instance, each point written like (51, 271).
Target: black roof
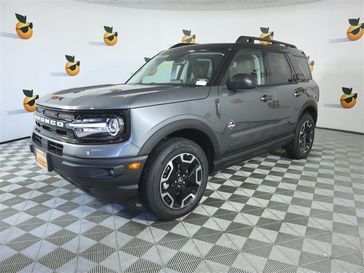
(245, 41)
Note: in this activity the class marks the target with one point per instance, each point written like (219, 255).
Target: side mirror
(241, 81)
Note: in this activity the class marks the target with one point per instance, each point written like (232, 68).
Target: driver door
(247, 115)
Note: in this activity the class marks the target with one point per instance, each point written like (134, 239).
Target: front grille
(52, 130)
(57, 114)
(45, 116)
(62, 134)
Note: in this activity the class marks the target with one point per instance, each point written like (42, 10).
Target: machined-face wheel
(306, 136)
(180, 180)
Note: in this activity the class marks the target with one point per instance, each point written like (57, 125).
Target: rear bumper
(103, 177)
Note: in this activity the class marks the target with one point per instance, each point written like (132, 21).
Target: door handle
(218, 108)
(266, 98)
(299, 91)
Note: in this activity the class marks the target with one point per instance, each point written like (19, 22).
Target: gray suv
(189, 111)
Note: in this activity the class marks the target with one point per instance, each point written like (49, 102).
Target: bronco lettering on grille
(49, 121)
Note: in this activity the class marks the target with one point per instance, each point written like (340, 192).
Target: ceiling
(198, 4)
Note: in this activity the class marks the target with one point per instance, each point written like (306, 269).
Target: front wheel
(174, 179)
(304, 135)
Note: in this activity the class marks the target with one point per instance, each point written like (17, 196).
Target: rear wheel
(304, 135)
(174, 179)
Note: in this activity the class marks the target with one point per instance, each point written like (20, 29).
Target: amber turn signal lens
(134, 166)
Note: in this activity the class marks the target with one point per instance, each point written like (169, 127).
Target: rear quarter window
(300, 65)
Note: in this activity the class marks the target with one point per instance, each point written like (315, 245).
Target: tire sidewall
(172, 149)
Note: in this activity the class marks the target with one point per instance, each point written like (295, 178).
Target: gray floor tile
(267, 214)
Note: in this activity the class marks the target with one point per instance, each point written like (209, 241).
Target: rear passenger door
(280, 76)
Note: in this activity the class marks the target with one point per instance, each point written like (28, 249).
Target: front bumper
(107, 178)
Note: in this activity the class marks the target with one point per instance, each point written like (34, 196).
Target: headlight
(113, 126)
(94, 128)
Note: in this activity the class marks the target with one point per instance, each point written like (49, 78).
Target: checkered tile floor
(268, 214)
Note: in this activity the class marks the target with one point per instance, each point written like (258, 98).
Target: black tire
(151, 183)
(300, 148)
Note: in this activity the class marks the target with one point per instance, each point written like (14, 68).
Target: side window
(279, 69)
(248, 62)
(302, 70)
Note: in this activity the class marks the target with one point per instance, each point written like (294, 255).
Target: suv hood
(121, 96)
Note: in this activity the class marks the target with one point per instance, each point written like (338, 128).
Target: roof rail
(250, 39)
(180, 44)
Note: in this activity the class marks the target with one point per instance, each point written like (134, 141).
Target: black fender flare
(307, 105)
(178, 125)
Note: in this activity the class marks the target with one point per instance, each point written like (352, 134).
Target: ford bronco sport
(189, 111)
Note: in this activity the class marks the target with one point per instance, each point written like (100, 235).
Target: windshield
(180, 67)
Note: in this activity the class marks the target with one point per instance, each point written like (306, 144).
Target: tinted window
(279, 69)
(301, 68)
(248, 62)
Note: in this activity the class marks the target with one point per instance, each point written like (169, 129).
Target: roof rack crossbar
(250, 39)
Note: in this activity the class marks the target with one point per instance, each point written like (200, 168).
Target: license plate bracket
(42, 159)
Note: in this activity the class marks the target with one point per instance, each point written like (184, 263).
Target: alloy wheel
(181, 180)
(306, 136)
